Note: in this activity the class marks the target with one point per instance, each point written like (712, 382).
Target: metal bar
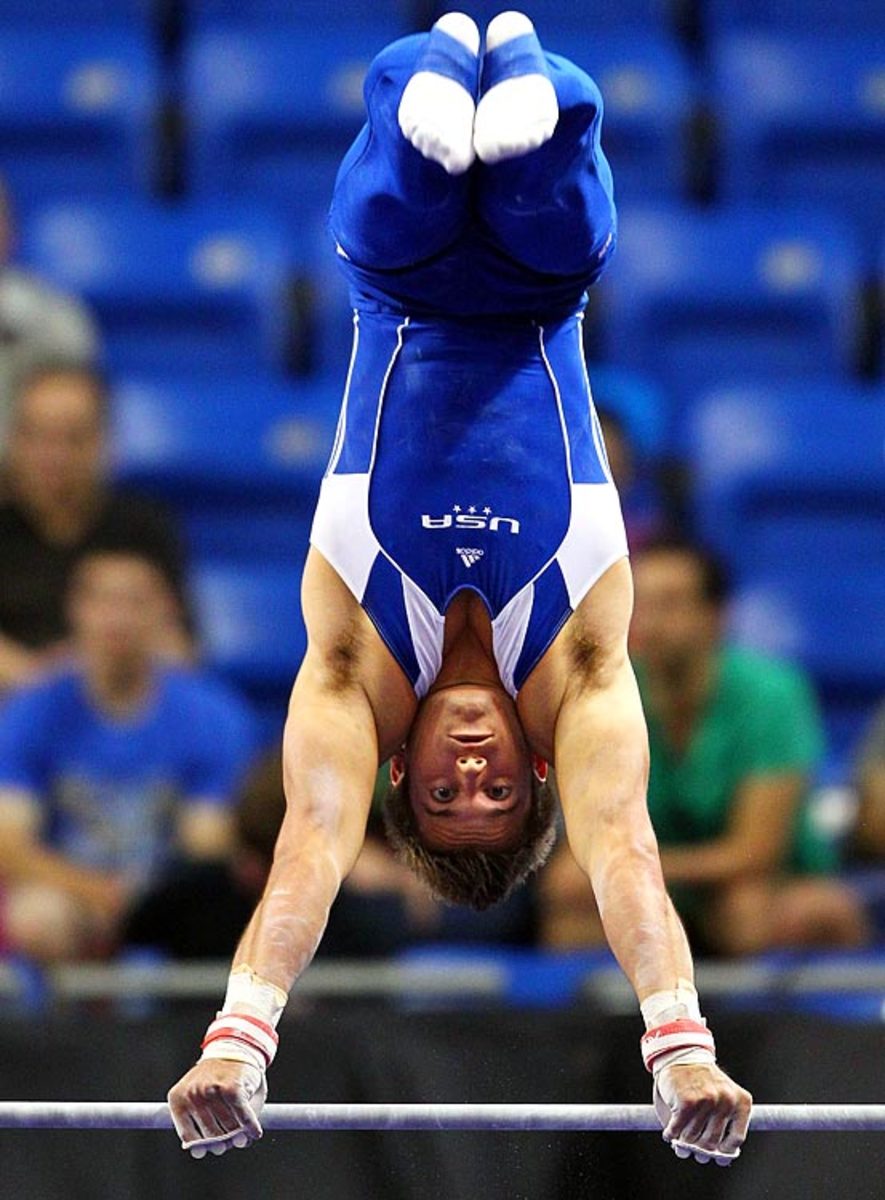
(42, 1114)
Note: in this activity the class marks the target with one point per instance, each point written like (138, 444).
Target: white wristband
(235, 1051)
(680, 1002)
(248, 992)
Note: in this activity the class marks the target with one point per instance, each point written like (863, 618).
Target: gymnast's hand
(702, 1112)
(216, 1105)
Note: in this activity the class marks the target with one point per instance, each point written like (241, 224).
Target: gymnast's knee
(392, 208)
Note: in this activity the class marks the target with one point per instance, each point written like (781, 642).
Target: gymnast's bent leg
(393, 207)
(552, 210)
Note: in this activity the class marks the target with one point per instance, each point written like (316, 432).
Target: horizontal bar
(47, 1114)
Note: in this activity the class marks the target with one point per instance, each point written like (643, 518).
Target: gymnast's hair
(476, 878)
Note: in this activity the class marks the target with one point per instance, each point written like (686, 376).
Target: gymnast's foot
(439, 103)
(518, 110)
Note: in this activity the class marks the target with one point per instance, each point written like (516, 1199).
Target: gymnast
(467, 592)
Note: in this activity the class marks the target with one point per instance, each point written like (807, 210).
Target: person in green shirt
(735, 739)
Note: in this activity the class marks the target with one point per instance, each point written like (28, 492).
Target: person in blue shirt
(467, 594)
(109, 766)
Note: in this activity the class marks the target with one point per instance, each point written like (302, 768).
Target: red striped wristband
(683, 1034)
(242, 1027)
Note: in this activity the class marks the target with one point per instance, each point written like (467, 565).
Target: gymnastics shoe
(518, 110)
(439, 102)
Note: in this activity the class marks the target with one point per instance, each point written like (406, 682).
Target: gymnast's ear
(397, 767)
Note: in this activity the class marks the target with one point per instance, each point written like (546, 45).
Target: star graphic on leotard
(487, 510)
(456, 508)
(472, 508)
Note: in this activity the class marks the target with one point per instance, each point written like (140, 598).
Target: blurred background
(174, 338)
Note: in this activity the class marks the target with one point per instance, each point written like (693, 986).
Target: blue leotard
(468, 453)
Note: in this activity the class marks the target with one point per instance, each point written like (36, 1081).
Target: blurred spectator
(37, 323)
(641, 504)
(735, 739)
(57, 503)
(381, 909)
(172, 916)
(869, 840)
(867, 845)
(109, 767)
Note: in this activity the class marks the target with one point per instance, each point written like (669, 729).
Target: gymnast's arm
(330, 760)
(601, 759)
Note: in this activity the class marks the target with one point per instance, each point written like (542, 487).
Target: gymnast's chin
(469, 809)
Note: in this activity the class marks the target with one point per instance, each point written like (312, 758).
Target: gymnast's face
(469, 772)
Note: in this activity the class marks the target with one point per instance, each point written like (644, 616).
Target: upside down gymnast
(467, 594)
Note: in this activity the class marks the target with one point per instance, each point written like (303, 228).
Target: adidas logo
(469, 555)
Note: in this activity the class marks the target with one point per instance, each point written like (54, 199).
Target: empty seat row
(699, 297)
(201, 285)
(203, 438)
(269, 112)
(150, 14)
(789, 487)
(696, 297)
(715, 14)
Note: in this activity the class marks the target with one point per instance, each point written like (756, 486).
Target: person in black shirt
(57, 502)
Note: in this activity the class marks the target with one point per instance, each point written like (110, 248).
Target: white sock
(518, 114)
(436, 113)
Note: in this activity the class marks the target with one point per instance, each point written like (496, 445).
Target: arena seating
(77, 13)
(252, 628)
(801, 117)
(563, 16)
(702, 296)
(794, 16)
(372, 14)
(239, 458)
(831, 624)
(790, 488)
(202, 285)
(791, 477)
(649, 95)
(272, 111)
(77, 112)
(204, 438)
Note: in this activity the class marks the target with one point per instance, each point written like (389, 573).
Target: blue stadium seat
(832, 625)
(77, 112)
(560, 16)
(229, 532)
(649, 93)
(802, 118)
(881, 289)
(271, 115)
(77, 13)
(208, 439)
(790, 488)
(696, 298)
(315, 13)
(249, 618)
(272, 111)
(634, 399)
(795, 16)
(791, 477)
(172, 287)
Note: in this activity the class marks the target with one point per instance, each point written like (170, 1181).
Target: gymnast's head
(468, 808)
